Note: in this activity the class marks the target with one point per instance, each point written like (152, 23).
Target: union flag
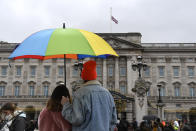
(115, 20)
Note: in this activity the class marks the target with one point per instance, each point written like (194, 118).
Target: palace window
(60, 70)
(147, 72)
(162, 91)
(17, 90)
(190, 60)
(123, 71)
(176, 71)
(192, 86)
(110, 71)
(31, 90)
(192, 91)
(190, 71)
(4, 70)
(47, 70)
(2, 90)
(33, 70)
(99, 71)
(18, 70)
(46, 90)
(161, 71)
(177, 91)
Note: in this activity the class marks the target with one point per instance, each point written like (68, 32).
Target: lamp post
(140, 89)
(159, 89)
(77, 84)
(78, 65)
(139, 65)
(140, 84)
(160, 103)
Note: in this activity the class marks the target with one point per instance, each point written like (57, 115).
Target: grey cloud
(157, 20)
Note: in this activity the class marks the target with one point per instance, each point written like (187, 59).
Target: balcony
(170, 99)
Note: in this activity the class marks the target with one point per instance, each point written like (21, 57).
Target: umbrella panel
(62, 43)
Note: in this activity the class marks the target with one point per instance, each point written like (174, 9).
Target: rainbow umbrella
(62, 43)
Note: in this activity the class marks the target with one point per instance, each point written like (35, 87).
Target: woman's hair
(9, 106)
(54, 103)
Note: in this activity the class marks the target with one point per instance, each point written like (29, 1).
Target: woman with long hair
(50, 118)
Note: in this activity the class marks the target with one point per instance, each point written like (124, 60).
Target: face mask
(3, 116)
(8, 117)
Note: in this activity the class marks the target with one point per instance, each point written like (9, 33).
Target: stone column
(163, 113)
(130, 85)
(104, 73)
(155, 77)
(184, 91)
(54, 75)
(116, 74)
(39, 72)
(168, 75)
(131, 75)
(25, 81)
(68, 72)
(10, 74)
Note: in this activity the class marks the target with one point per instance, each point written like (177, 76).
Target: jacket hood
(92, 82)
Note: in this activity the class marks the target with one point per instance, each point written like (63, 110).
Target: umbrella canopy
(62, 43)
(54, 43)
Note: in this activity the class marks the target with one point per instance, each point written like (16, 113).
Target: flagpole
(110, 19)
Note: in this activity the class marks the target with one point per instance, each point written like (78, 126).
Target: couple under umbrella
(93, 107)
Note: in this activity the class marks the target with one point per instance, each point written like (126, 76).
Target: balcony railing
(172, 98)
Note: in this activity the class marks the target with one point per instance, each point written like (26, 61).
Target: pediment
(118, 43)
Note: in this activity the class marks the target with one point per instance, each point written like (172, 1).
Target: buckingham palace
(29, 82)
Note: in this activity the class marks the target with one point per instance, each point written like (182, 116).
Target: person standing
(14, 119)
(176, 125)
(93, 107)
(50, 118)
(123, 125)
(134, 124)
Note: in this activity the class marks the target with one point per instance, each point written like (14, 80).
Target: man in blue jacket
(93, 107)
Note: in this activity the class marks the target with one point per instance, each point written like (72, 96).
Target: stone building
(29, 82)
(172, 65)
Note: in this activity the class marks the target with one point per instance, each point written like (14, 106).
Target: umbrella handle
(65, 69)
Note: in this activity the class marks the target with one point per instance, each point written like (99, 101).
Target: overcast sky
(157, 20)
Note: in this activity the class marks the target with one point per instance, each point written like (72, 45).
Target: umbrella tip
(63, 25)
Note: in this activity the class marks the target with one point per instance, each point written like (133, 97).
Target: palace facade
(29, 82)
